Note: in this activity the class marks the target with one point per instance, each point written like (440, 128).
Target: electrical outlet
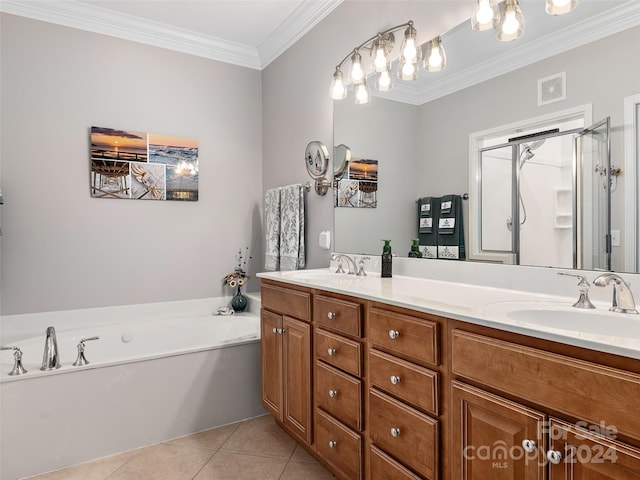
(615, 238)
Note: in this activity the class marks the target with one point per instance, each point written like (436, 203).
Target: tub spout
(50, 358)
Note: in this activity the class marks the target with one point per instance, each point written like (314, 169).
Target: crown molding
(74, 14)
(303, 19)
(614, 21)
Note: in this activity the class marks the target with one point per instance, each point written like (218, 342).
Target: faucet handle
(17, 369)
(361, 272)
(583, 286)
(81, 359)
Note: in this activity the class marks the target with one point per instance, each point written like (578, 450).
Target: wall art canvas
(358, 186)
(143, 166)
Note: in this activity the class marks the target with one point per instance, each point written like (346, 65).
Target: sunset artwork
(143, 166)
(358, 186)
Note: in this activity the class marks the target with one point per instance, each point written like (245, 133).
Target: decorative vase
(239, 301)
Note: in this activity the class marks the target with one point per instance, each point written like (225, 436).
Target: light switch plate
(324, 240)
(615, 238)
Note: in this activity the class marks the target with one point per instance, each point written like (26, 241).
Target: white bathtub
(147, 382)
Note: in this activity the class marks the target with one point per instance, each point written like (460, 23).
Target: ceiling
(253, 33)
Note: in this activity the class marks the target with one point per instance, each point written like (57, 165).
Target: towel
(450, 229)
(272, 229)
(292, 254)
(428, 209)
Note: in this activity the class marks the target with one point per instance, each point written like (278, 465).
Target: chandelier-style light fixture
(506, 17)
(380, 47)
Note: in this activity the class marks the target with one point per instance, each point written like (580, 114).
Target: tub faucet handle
(17, 369)
(81, 359)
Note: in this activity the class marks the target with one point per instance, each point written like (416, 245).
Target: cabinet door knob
(529, 446)
(331, 352)
(395, 432)
(332, 444)
(395, 379)
(275, 330)
(393, 334)
(554, 456)
(331, 315)
(333, 393)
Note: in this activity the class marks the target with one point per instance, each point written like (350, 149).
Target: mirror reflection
(428, 149)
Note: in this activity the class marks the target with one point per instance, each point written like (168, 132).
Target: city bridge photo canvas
(143, 166)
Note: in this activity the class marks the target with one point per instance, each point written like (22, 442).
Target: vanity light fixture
(435, 58)
(558, 7)
(510, 25)
(485, 15)
(380, 47)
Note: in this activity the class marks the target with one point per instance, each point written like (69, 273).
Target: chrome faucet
(623, 301)
(340, 257)
(50, 358)
(583, 286)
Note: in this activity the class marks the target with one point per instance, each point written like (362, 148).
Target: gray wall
(62, 249)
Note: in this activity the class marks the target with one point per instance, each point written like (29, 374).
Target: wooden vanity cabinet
(507, 426)
(286, 336)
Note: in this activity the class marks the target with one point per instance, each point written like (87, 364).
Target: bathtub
(154, 374)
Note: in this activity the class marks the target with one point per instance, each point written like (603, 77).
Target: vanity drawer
(409, 337)
(383, 467)
(577, 388)
(286, 301)
(338, 315)
(339, 446)
(404, 433)
(339, 352)
(339, 394)
(409, 382)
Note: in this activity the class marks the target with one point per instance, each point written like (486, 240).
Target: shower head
(535, 145)
(527, 151)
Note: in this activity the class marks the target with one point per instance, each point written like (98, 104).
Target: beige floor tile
(301, 455)
(238, 466)
(260, 436)
(164, 462)
(305, 470)
(211, 439)
(95, 470)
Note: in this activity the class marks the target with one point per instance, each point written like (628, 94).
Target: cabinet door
(585, 455)
(296, 353)
(271, 362)
(488, 437)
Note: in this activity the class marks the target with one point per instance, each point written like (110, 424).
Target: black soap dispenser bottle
(386, 259)
(415, 250)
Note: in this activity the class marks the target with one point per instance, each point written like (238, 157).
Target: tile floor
(255, 449)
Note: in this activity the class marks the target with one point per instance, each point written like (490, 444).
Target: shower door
(592, 226)
(555, 188)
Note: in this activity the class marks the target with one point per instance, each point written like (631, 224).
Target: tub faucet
(623, 301)
(50, 358)
(340, 257)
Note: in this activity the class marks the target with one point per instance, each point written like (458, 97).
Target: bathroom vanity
(381, 385)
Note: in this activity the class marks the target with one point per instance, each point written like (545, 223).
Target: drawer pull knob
(393, 334)
(331, 315)
(395, 432)
(331, 352)
(332, 444)
(554, 456)
(529, 446)
(395, 379)
(333, 393)
(275, 330)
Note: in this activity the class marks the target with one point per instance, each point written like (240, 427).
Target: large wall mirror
(423, 141)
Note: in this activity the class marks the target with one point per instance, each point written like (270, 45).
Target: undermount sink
(564, 317)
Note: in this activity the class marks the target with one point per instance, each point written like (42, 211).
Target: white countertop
(485, 305)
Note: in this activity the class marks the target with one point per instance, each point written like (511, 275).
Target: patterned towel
(272, 229)
(292, 255)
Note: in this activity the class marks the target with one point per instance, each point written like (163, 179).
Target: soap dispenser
(415, 250)
(386, 259)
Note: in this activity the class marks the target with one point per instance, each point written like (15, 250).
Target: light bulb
(383, 81)
(435, 59)
(362, 93)
(511, 24)
(484, 14)
(560, 7)
(410, 51)
(338, 90)
(560, 3)
(408, 69)
(357, 74)
(380, 59)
